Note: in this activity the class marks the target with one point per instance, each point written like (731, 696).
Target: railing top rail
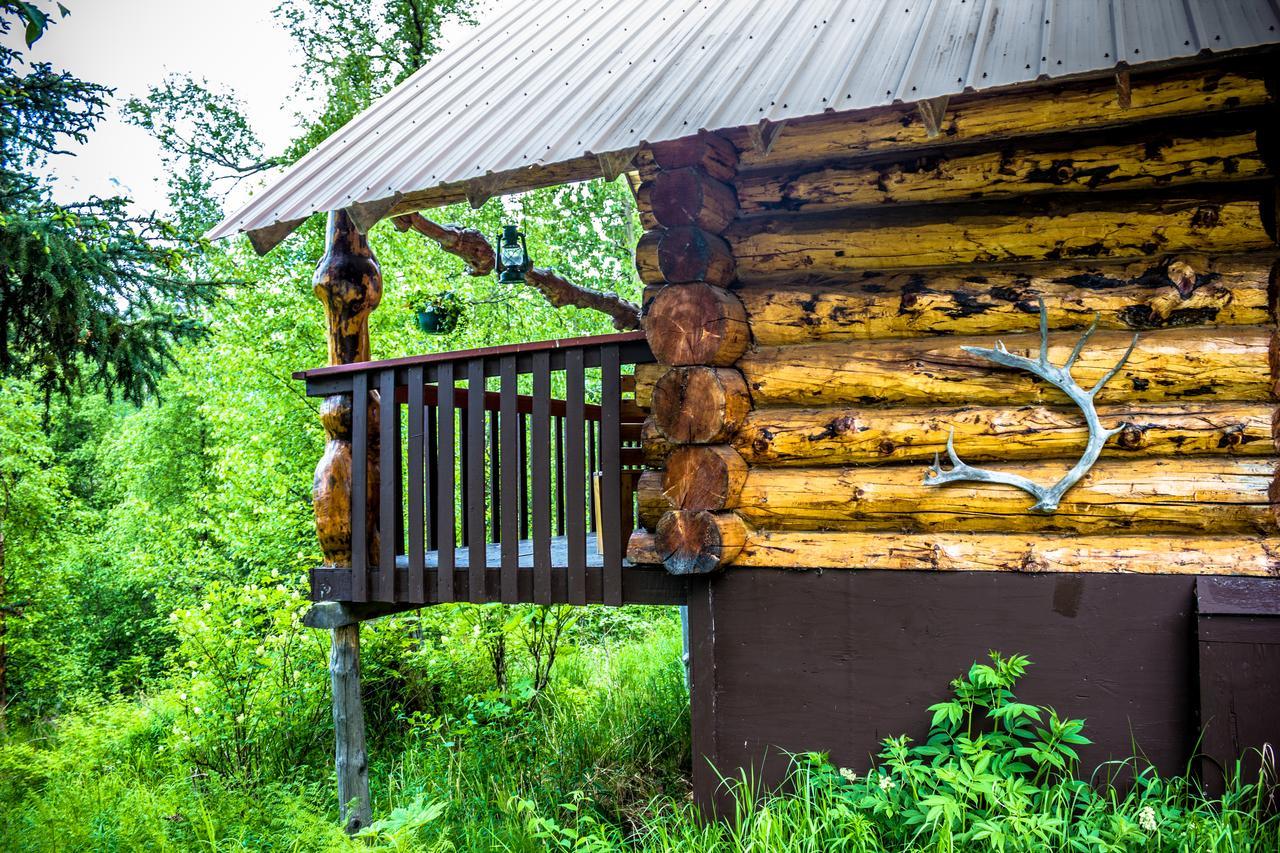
(462, 355)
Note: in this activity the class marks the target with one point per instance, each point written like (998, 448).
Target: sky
(130, 45)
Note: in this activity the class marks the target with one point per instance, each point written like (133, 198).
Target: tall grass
(599, 762)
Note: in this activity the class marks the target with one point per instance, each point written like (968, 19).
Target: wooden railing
(487, 493)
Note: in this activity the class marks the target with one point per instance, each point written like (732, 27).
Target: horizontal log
(1009, 552)
(865, 436)
(677, 255)
(941, 177)
(700, 405)
(704, 477)
(692, 197)
(1171, 364)
(1212, 495)
(698, 543)
(696, 323)
(647, 376)
(654, 445)
(651, 500)
(642, 549)
(935, 236)
(1138, 295)
(1067, 106)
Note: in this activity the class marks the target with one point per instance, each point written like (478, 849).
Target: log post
(698, 328)
(351, 759)
(349, 284)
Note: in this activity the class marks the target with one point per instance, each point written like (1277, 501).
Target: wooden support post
(351, 759)
(349, 283)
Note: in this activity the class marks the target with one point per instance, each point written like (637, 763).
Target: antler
(1060, 377)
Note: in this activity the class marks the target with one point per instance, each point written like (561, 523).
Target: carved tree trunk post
(349, 284)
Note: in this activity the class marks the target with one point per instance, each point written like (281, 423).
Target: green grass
(600, 762)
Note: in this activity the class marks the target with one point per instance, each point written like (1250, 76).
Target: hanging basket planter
(436, 313)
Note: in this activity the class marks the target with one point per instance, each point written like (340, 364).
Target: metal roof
(549, 91)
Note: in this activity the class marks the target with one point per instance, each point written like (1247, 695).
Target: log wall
(810, 296)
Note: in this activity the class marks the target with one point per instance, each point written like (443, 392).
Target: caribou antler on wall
(1047, 498)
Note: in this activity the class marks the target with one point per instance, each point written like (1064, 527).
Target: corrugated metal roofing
(540, 92)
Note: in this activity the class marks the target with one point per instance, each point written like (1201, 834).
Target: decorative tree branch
(1060, 377)
(467, 243)
(560, 293)
(475, 249)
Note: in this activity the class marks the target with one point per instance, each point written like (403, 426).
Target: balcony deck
(518, 497)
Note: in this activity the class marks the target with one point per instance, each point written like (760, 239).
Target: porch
(517, 484)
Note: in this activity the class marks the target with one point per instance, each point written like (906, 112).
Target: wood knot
(1182, 276)
(1063, 172)
(1206, 216)
(1130, 436)
(886, 446)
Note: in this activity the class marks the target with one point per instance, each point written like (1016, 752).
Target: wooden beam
(1198, 495)
(1007, 552)
(993, 117)
(1006, 173)
(1227, 364)
(1134, 295)
(1110, 227)
(862, 435)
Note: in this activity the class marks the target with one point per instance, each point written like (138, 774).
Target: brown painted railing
(488, 494)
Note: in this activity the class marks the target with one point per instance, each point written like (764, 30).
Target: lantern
(512, 256)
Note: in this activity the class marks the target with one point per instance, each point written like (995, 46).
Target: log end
(696, 324)
(642, 549)
(700, 405)
(704, 477)
(699, 543)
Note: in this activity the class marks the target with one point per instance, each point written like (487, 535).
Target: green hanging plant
(435, 313)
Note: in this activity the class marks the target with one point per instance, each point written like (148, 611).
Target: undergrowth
(600, 762)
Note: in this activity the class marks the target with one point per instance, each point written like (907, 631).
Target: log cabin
(958, 333)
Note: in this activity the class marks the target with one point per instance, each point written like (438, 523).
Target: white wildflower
(182, 697)
(239, 718)
(1147, 819)
(207, 606)
(195, 709)
(848, 774)
(237, 622)
(887, 783)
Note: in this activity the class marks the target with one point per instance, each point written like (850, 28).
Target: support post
(349, 283)
(351, 759)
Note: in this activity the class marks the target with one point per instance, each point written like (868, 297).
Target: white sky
(132, 44)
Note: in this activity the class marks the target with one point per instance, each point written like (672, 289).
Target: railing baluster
(575, 476)
(495, 478)
(433, 474)
(464, 461)
(525, 529)
(511, 479)
(541, 477)
(611, 465)
(475, 505)
(592, 468)
(388, 484)
(445, 492)
(557, 469)
(359, 487)
(417, 547)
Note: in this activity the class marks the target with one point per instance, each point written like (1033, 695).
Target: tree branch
(472, 246)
